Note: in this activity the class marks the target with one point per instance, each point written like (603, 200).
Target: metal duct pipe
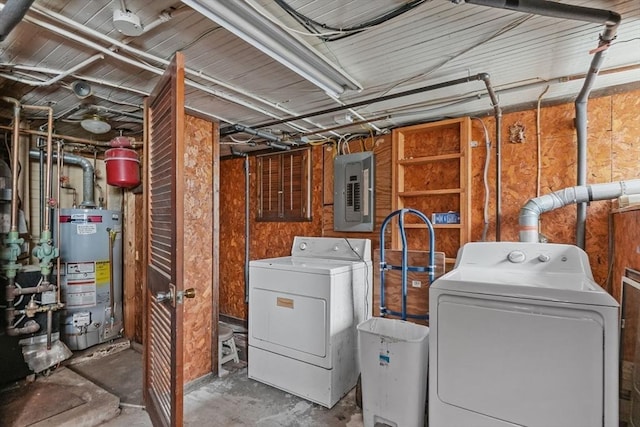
(87, 175)
(498, 116)
(14, 161)
(611, 21)
(530, 212)
(552, 9)
(11, 14)
(247, 241)
(259, 133)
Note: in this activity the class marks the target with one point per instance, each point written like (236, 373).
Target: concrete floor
(234, 400)
(103, 386)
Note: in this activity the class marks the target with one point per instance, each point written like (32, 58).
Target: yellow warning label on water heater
(103, 274)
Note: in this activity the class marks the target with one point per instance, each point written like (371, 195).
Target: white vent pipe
(531, 211)
(62, 74)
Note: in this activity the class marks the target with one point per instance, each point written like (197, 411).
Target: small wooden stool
(227, 350)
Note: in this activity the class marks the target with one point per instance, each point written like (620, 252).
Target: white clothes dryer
(521, 335)
(303, 314)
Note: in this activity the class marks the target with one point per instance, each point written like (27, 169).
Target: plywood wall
(613, 153)
(267, 239)
(199, 176)
(232, 238)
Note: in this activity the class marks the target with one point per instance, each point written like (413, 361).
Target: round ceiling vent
(95, 124)
(128, 23)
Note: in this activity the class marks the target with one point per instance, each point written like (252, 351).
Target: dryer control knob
(303, 246)
(516, 257)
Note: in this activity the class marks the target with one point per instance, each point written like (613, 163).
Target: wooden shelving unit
(431, 172)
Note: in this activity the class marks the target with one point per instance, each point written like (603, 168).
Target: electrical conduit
(498, 118)
(611, 20)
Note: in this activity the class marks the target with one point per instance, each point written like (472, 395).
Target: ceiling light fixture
(81, 89)
(127, 22)
(292, 52)
(95, 124)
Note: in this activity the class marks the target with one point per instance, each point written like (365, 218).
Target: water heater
(91, 275)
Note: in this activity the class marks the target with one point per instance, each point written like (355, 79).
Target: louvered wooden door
(163, 350)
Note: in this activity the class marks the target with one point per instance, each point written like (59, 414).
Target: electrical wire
(17, 322)
(366, 279)
(240, 141)
(17, 285)
(341, 33)
(373, 143)
(485, 179)
(293, 30)
(510, 26)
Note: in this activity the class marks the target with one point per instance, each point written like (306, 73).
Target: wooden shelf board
(451, 226)
(429, 192)
(428, 159)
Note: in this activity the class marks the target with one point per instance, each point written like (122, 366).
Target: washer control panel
(520, 256)
(332, 248)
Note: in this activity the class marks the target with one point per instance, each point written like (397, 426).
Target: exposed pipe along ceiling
(96, 97)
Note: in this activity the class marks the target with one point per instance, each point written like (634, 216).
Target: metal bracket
(187, 293)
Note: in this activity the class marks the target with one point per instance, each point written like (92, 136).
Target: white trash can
(394, 357)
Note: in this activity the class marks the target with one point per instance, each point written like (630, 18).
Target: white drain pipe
(530, 212)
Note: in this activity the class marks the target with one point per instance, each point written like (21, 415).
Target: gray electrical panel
(353, 201)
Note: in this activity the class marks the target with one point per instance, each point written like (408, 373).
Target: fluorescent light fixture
(242, 20)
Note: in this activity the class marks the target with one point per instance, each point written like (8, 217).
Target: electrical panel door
(353, 208)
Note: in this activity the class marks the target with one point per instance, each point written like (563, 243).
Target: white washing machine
(521, 335)
(303, 313)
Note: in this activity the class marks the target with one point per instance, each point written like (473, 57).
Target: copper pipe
(112, 238)
(47, 184)
(49, 325)
(69, 138)
(30, 327)
(9, 312)
(44, 287)
(58, 263)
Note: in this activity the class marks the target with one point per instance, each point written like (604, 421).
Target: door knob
(164, 296)
(188, 293)
(175, 297)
